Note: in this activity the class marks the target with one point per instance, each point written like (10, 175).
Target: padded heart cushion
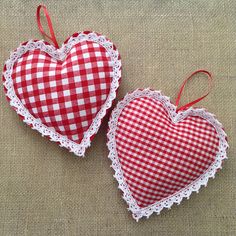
(160, 156)
(64, 93)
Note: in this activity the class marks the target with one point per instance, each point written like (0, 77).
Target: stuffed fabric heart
(64, 93)
(161, 155)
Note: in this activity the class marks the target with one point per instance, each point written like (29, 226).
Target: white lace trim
(60, 54)
(157, 207)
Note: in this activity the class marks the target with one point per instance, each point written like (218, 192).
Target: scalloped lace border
(157, 207)
(60, 54)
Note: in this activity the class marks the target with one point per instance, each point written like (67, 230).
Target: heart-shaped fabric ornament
(162, 154)
(64, 92)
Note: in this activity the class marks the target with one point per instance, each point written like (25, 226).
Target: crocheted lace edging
(60, 54)
(177, 197)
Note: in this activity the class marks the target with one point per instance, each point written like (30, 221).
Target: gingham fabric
(158, 157)
(65, 96)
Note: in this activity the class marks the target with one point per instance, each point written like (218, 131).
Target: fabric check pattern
(65, 95)
(160, 153)
(159, 157)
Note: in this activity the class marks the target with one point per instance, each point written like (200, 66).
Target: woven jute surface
(45, 190)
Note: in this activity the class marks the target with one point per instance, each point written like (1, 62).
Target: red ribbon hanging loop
(197, 100)
(52, 37)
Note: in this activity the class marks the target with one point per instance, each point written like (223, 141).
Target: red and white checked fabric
(157, 157)
(66, 95)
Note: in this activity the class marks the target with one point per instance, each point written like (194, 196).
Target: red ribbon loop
(52, 37)
(199, 99)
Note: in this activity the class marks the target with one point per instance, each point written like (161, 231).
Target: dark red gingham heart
(64, 93)
(161, 156)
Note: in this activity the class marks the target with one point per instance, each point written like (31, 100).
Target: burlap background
(45, 190)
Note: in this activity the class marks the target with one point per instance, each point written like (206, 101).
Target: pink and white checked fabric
(153, 156)
(66, 95)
